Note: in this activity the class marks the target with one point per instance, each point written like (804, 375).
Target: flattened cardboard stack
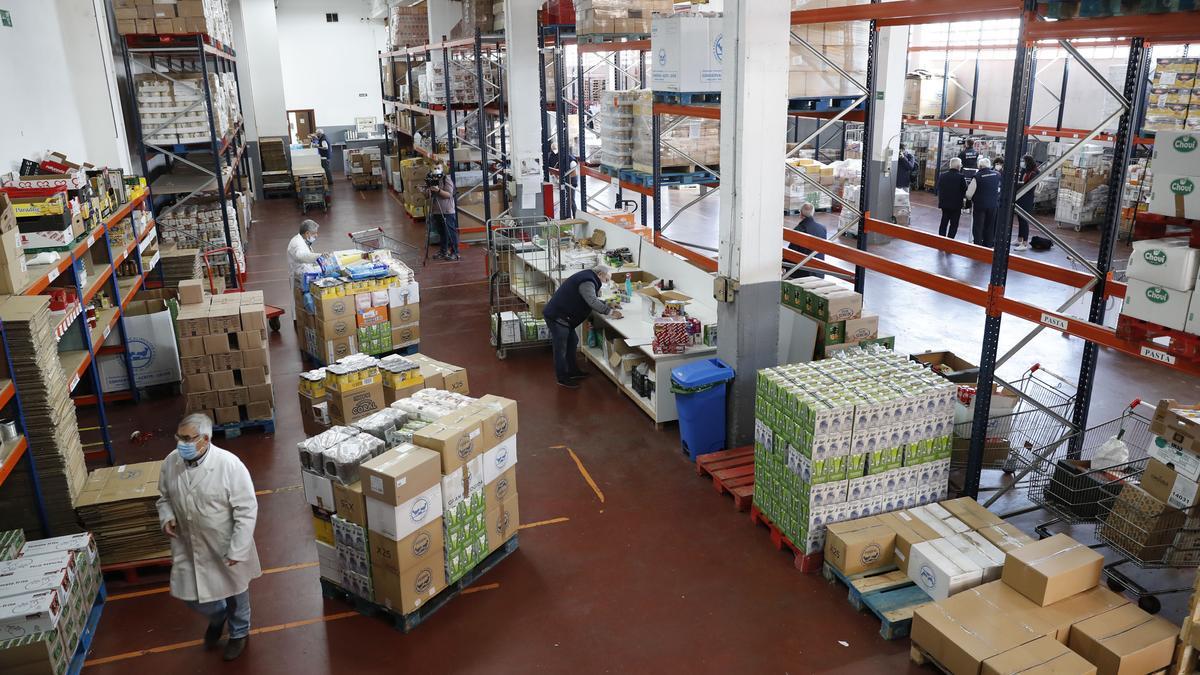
(223, 354)
(118, 506)
(179, 264)
(50, 423)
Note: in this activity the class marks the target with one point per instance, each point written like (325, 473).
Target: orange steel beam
(1001, 127)
(698, 259)
(934, 282)
(817, 263)
(708, 112)
(911, 12)
(1049, 44)
(630, 46)
(1169, 27)
(1034, 268)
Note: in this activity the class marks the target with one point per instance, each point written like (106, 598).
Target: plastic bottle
(628, 287)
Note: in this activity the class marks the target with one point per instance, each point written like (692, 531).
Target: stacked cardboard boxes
(201, 224)
(432, 83)
(142, 17)
(864, 433)
(689, 52)
(616, 129)
(173, 109)
(923, 93)
(1083, 187)
(412, 178)
(1176, 166)
(223, 355)
(118, 507)
(1172, 102)
(366, 168)
(12, 255)
(837, 310)
(370, 316)
(699, 138)
(844, 43)
(617, 17)
(407, 26)
(46, 598)
(1046, 613)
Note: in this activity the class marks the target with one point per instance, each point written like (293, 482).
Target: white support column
(753, 134)
(524, 113)
(891, 66)
(260, 70)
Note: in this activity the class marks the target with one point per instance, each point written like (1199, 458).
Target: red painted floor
(653, 573)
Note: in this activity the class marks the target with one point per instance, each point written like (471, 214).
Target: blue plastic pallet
(687, 98)
(406, 623)
(823, 103)
(235, 429)
(886, 593)
(89, 632)
(667, 177)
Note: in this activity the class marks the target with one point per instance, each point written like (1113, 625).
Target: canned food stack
(1173, 99)
(616, 129)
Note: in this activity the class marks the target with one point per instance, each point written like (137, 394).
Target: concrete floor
(649, 572)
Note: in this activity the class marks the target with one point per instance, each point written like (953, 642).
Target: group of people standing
(983, 191)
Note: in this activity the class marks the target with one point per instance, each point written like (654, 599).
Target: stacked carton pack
(617, 17)
(200, 225)
(412, 177)
(837, 309)
(843, 43)
(371, 316)
(699, 138)
(51, 426)
(173, 110)
(1045, 613)
(1083, 187)
(616, 129)
(223, 354)
(689, 51)
(432, 83)
(408, 26)
(1172, 101)
(210, 17)
(799, 189)
(864, 433)
(366, 169)
(46, 599)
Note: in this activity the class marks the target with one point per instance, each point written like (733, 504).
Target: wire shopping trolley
(375, 239)
(524, 256)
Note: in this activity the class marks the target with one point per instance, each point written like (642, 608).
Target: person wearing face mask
(300, 248)
(208, 509)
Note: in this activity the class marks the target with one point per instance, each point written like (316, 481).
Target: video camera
(433, 180)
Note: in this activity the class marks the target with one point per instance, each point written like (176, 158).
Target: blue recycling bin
(699, 389)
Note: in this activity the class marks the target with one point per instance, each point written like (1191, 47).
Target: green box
(856, 466)
(828, 470)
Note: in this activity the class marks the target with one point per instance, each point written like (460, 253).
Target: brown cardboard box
(1140, 524)
(222, 379)
(405, 335)
(201, 401)
(145, 26)
(503, 522)
(191, 292)
(1080, 607)
(249, 339)
(415, 549)
(250, 376)
(253, 317)
(407, 591)
(859, 545)
(190, 8)
(405, 314)
(1125, 640)
(502, 421)
(255, 358)
(349, 502)
(336, 328)
(971, 512)
(441, 375)
(217, 343)
(191, 346)
(394, 477)
(262, 393)
(351, 406)
(1167, 485)
(1052, 569)
(1006, 601)
(223, 318)
(230, 361)
(1177, 428)
(454, 437)
(196, 24)
(1043, 656)
(391, 395)
(909, 531)
(197, 382)
(962, 632)
(125, 13)
(308, 417)
(233, 397)
(195, 364)
(228, 415)
(495, 492)
(192, 320)
(1005, 537)
(330, 350)
(330, 309)
(259, 410)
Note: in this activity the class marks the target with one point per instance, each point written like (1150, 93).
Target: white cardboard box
(1175, 195)
(153, 349)
(29, 614)
(1192, 325)
(1177, 152)
(1185, 463)
(318, 490)
(499, 459)
(688, 52)
(1165, 262)
(941, 573)
(1156, 304)
(397, 522)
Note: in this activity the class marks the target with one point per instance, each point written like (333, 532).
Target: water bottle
(628, 287)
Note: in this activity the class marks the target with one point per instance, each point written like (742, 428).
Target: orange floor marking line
(476, 589)
(271, 491)
(164, 589)
(196, 643)
(552, 521)
(586, 476)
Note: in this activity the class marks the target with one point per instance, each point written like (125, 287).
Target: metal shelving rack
(486, 117)
(19, 448)
(191, 54)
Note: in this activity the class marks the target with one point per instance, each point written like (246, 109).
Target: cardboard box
(1042, 656)
(31, 613)
(1079, 607)
(407, 591)
(262, 393)
(455, 438)
(971, 512)
(859, 545)
(397, 522)
(351, 406)
(191, 292)
(396, 476)
(498, 490)
(1184, 462)
(502, 423)
(1165, 262)
(502, 523)
(1125, 640)
(1178, 424)
(1176, 152)
(191, 346)
(192, 320)
(318, 491)
(689, 52)
(1005, 536)
(153, 350)
(223, 318)
(331, 309)
(227, 415)
(1167, 486)
(1052, 569)
(405, 335)
(323, 530)
(1175, 195)
(259, 410)
(1140, 524)
(963, 632)
(424, 546)
(908, 531)
(255, 358)
(197, 382)
(941, 570)
(500, 459)
(253, 317)
(404, 314)
(217, 343)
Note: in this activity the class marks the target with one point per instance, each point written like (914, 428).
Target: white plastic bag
(1112, 453)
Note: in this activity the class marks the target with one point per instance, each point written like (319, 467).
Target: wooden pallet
(805, 562)
(406, 623)
(732, 473)
(887, 593)
(131, 571)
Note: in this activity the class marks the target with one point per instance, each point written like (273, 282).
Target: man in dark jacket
(984, 193)
(570, 306)
(905, 167)
(807, 225)
(969, 155)
(951, 190)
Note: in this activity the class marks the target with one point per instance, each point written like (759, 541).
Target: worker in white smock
(208, 509)
(300, 248)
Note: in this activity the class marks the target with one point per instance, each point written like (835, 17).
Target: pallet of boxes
(224, 359)
(366, 169)
(837, 310)
(339, 316)
(414, 502)
(140, 17)
(51, 597)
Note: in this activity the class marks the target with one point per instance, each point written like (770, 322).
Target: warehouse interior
(284, 282)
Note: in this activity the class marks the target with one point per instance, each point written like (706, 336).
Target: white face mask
(310, 239)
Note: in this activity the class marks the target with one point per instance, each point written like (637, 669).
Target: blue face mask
(310, 240)
(188, 451)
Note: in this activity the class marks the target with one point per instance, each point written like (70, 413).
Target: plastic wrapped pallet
(617, 17)
(408, 26)
(341, 461)
(312, 450)
(843, 43)
(616, 129)
(699, 138)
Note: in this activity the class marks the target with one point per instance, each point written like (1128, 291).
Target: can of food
(8, 430)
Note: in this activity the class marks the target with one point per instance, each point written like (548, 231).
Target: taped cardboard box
(1052, 569)
(941, 570)
(859, 545)
(1166, 485)
(424, 546)
(1178, 423)
(909, 531)
(1141, 525)
(1005, 537)
(407, 591)
(1125, 640)
(1079, 607)
(963, 632)
(396, 476)
(1042, 656)
(971, 513)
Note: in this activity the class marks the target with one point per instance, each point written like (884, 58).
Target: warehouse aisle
(628, 562)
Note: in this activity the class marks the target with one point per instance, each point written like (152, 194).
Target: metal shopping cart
(311, 192)
(375, 239)
(524, 256)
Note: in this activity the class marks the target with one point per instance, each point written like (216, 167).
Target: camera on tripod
(433, 180)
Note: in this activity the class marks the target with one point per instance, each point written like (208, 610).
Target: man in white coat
(208, 509)
(300, 248)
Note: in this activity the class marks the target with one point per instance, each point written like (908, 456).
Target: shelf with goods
(461, 91)
(191, 142)
(13, 451)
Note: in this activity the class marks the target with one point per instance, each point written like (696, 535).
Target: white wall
(330, 66)
(260, 73)
(60, 99)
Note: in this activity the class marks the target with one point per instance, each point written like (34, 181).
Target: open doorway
(301, 123)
